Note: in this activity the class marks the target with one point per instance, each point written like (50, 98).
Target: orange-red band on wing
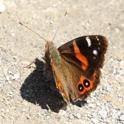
(80, 57)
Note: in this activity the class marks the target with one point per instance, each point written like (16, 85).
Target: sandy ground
(25, 96)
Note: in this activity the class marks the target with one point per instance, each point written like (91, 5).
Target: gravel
(26, 96)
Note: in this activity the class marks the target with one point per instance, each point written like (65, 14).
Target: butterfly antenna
(55, 34)
(33, 31)
(58, 28)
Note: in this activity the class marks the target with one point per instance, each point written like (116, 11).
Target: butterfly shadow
(40, 89)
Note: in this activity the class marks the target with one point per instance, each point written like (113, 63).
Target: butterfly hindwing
(66, 75)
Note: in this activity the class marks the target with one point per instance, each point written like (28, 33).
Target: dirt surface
(25, 95)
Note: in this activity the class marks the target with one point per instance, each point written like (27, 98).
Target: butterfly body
(76, 65)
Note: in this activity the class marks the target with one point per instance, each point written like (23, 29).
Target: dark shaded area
(40, 89)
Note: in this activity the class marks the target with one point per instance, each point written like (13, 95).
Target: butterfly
(76, 65)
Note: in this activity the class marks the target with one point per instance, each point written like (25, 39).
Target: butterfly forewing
(92, 48)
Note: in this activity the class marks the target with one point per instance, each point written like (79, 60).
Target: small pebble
(91, 105)
(62, 112)
(121, 118)
(13, 34)
(103, 113)
(77, 115)
(115, 113)
(28, 117)
(2, 7)
(95, 121)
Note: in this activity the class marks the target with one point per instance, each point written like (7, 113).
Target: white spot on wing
(97, 38)
(88, 41)
(95, 52)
